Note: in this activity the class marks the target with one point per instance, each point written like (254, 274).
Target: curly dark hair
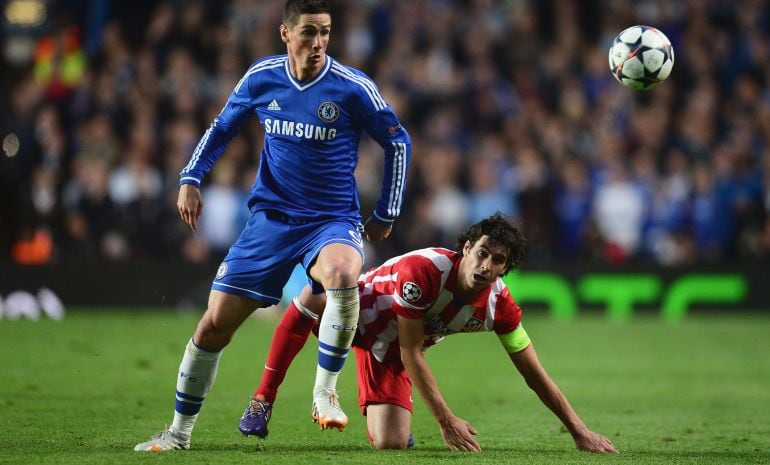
(294, 8)
(500, 231)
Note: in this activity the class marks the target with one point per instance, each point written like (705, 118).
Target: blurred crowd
(510, 105)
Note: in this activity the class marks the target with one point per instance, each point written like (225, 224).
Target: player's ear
(467, 248)
(284, 33)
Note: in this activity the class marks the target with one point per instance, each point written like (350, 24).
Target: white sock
(196, 376)
(335, 335)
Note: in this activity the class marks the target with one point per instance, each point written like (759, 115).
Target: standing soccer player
(413, 301)
(304, 207)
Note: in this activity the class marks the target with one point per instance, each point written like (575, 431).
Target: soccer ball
(641, 57)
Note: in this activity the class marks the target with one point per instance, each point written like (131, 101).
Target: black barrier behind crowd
(563, 291)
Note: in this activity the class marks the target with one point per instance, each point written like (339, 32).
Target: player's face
(306, 43)
(482, 263)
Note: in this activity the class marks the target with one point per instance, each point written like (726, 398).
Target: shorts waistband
(276, 215)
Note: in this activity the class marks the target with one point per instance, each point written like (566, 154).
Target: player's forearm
(422, 378)
(537, 379)
(397, 157)
(552, 397)
(210, 147)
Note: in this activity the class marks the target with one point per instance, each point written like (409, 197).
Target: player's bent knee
(337, 266)
(390, 441)
(226, 312)
(209, 337)
(340, 278)
(391, 444)
(213, 333)
(388, 426)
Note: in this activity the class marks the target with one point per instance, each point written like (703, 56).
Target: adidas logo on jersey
(274, 106)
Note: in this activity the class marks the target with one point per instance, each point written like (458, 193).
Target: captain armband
(515, 341)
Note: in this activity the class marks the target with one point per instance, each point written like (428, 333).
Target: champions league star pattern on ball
(641, 57)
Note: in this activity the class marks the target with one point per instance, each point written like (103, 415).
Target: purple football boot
(255, 418)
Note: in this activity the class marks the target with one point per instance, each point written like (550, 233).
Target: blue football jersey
(312, 135)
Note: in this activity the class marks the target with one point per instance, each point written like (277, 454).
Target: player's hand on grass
(375, 230)
(190, 204)
(458, 435)
(594, 442)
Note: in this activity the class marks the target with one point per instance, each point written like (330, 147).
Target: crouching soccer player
(408, 304)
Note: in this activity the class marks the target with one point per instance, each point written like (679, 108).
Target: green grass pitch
(88, 388)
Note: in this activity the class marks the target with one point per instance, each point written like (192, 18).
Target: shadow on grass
(246, 447)
(756, 456)
(278, 447)
(428, 454)
(744, 456)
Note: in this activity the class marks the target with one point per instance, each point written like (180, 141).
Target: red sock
(289, 338)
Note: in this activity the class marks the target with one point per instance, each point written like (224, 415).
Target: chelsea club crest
(328, 112)
(222, 271)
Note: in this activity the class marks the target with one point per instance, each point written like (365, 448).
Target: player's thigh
(336, 254)
(259, 264)
(381, 382)
(388, 425)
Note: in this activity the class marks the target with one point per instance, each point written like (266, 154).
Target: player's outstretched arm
(457, 433)
(190, 204)
(537, 379)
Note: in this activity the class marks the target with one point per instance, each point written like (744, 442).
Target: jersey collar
(302, 86)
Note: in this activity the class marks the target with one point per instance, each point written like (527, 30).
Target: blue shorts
(271, 245)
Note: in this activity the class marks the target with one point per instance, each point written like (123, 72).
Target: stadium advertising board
(562, 291)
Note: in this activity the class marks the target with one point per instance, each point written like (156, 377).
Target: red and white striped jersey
(421, 284)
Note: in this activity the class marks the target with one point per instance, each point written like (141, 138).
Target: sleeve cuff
(382, 219)
(190, 180)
